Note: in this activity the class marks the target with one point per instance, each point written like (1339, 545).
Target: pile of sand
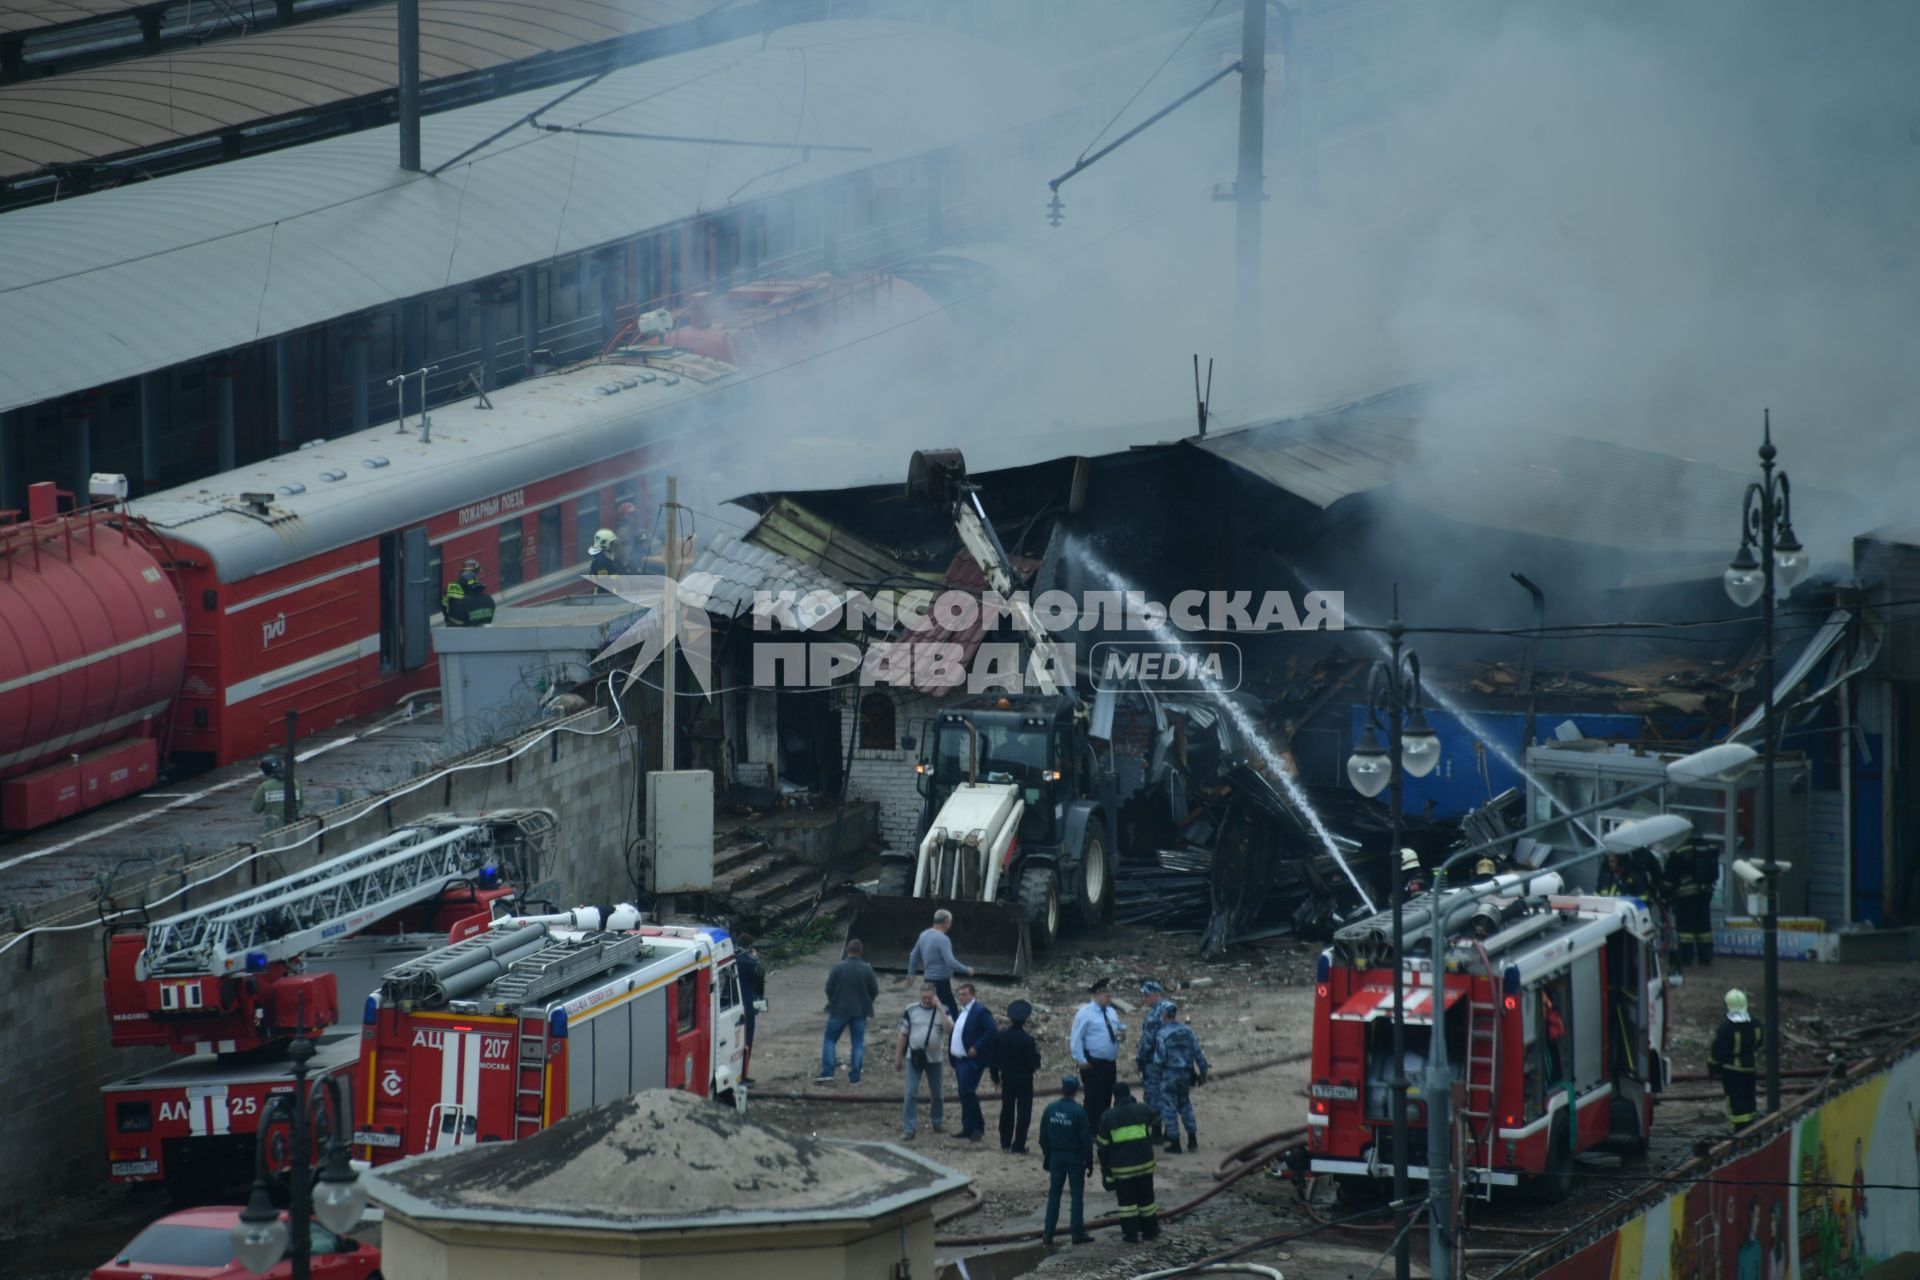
(662, 1153)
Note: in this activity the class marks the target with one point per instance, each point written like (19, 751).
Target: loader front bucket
(989, 936)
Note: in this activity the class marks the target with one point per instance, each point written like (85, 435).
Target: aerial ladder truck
(227, 987)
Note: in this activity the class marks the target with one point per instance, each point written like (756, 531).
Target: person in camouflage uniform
(1183, 1064)
(1143, 1058)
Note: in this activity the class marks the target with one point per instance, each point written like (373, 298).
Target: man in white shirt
(924, 1028)
(972, 1035)
(1095, 1045)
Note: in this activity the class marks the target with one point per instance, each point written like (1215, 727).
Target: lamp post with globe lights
(1394, 712)
(320, 1184)
(1766, 525)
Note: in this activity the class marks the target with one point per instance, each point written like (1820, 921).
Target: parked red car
(197, 1244)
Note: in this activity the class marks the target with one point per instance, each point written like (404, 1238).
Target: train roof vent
(293, 489)
(257, 502)
(331, 476)
(374, 463)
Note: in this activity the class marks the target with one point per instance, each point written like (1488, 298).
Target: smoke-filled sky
(1641, 221)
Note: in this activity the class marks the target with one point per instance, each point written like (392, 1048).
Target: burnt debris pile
(1213, 846)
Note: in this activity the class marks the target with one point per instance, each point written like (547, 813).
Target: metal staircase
(338, 897)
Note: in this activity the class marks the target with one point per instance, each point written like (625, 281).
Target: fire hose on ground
(1096, 1224)
(883, 1099)
(1253, 1156)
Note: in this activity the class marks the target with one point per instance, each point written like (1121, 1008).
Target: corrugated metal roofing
(799, 534)
(110, 285)
(18, 16)
(168, 98)
(1540, 483)
(1327, 455)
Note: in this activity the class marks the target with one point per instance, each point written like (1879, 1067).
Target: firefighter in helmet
(1692, 872)
(603, 557)
(1735, 1059)
(633, 539)
(1125, 1140)
(270, 797)
(1413, 876)
(465, 601)
(1620, 878)
(1485, 869)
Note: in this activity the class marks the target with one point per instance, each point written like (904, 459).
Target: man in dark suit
(970, 1048)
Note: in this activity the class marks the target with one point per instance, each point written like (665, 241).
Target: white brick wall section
(886, 777)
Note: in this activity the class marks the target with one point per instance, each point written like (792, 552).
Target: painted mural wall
(1853, 1215)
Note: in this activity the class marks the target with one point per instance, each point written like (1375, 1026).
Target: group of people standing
(948, 1028)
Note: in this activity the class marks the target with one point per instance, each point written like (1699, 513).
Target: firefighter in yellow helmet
(603, 559)
(1735, 1058)
(1413, 876)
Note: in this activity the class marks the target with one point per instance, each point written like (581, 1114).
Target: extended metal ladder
(343, 895)
(1483, 1067)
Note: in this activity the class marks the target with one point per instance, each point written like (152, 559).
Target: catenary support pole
(1249, 181)
(409, 95)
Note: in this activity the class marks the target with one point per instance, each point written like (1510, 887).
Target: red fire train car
(192, 620)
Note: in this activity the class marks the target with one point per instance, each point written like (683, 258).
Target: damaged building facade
(1501, 564)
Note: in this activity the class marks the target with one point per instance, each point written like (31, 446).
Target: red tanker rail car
(92, 648)
(1556, 1032)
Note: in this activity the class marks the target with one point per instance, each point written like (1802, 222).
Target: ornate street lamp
(321, 1185)
(1766, 523)
(1393, 711)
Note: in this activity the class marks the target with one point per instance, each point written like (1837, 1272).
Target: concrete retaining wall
(54, 1052)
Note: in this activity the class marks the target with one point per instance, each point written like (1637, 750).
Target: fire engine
(1555, 1017)
(228, 986)
(497, 1037)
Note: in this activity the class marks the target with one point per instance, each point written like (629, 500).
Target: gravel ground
(1256, 1005)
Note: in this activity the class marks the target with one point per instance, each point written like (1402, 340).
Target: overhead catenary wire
(1135, 96)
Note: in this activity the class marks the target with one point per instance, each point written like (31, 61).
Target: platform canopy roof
(119, 283)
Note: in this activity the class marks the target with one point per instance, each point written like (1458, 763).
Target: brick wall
(886, 777)
(54, 1051)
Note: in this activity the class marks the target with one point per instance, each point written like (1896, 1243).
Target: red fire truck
(228, 986)
(497, 1037)
(1555, 1018)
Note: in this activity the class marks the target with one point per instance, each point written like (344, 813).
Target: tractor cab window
(1010, 751)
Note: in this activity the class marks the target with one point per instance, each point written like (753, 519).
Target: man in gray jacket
(932, 957)
(851, 988)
